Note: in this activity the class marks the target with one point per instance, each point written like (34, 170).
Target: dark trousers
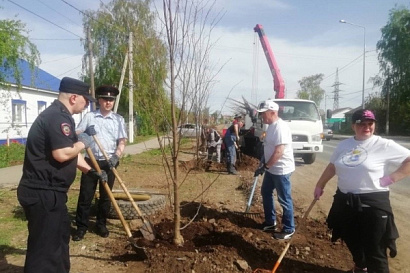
(229, 142)
(86, 196)
(365, 238)
(48, 230)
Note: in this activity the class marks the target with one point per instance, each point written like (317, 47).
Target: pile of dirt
(219, 240)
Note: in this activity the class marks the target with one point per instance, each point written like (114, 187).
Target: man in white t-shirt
(279, 164)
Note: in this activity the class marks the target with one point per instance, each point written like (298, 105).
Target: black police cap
(74, 86)
(107, 91)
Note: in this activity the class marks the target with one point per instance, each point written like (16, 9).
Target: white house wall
(31, 97)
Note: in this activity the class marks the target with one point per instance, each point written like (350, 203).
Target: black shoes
(268, 227)
(79, 235)
(357, 270)
(283, 235)
(102, 231)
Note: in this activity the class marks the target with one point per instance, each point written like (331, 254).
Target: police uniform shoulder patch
(66, 129)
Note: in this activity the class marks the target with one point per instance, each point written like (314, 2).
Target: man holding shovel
(113, 136)
(53, 152)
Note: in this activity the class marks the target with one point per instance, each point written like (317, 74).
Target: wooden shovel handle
(301, 224)
(108, 190)
(119, 178)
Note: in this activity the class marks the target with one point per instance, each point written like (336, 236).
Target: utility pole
(130, 93)
(124, 67)
(90, 64)
(388, 106)
(336, 91)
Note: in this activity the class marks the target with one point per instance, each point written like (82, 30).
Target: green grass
(12, 220)
(14, 154)
(11, 155)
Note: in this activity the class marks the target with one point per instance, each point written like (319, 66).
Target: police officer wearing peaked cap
(107, 91)
(112, 134)
(51, 157)
(73, 86)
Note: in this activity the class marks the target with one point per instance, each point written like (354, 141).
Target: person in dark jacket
(53, 152)
(231, 142)
(361, 214)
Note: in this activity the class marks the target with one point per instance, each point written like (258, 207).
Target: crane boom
(278, 82)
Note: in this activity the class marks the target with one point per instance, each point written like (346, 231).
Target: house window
(18, 111)
(42, 105)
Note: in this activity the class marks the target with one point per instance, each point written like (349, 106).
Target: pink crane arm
(278, 82)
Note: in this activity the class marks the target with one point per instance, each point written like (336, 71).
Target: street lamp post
(364, 54)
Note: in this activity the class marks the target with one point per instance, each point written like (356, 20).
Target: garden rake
(249, 204)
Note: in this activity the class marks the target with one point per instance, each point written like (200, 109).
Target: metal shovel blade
(147, 230)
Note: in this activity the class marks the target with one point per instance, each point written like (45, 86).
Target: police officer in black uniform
(51, 158)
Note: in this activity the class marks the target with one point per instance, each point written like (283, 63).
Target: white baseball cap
(268, 105)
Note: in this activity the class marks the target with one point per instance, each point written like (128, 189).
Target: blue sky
(305, 35)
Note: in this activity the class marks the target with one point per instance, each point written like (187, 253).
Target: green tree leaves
(14, 45)
(394, 60)
(111, 26)
(310, 88)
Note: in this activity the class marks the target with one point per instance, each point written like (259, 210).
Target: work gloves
(113, 161)
(86, 139)
(260, 171)
(96, 175)
(261, 168)
(90, 130)
(386, 181)
(317, 193)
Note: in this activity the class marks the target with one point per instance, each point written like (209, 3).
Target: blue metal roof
(41, 80)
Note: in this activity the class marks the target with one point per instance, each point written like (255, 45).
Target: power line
(56, 11)
(343, 67)
(93, 19)
(46, 39)
(65, 73)
(57, 60)
(44, 19)
(74, 7)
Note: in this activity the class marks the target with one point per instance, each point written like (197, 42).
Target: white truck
(302, 115)
(305, 124)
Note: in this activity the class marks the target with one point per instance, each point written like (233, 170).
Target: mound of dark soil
(224, 241)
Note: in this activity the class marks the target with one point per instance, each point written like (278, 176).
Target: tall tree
(187, 26)
(310, 88)
(111, 26)
(15, 45)
(394, 59)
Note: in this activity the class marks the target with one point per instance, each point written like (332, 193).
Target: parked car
(327, 133)
(189, 130)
